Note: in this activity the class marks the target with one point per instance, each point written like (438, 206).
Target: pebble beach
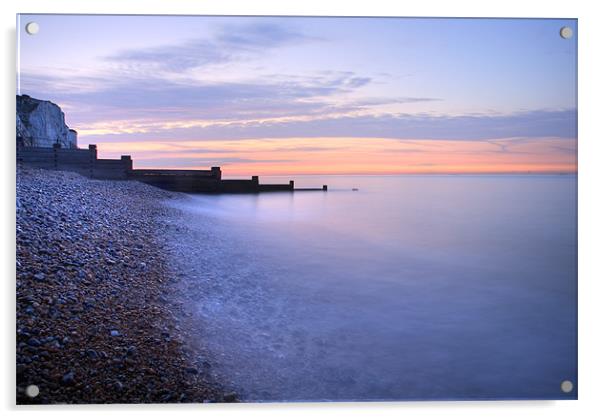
(96, 320)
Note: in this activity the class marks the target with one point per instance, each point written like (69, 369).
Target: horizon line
(553, 173)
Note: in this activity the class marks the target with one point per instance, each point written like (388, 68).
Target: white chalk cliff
(41, 123)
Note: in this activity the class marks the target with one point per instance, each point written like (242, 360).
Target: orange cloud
(354, 155)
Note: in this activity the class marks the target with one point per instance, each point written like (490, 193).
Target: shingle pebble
(90, 260)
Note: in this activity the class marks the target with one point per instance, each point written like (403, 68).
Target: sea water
(409, 288)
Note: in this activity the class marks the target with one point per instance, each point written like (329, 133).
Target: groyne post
(291, 184)
(93, 156)
(93, 151)
(324, 187)
(127, 162)
(216, 172)
(55, 155)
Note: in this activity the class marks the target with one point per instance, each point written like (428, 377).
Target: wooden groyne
(83, 161)
(87, 163)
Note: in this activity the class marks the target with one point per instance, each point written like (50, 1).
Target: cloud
(148, 90)
(358, 81)
(116, 102)
(163, 102)
(528, 124)
(282, 107)
(260, 35)
(537, 123)
(375, 101)
(229, 44)
(356, 155)
(202, 161)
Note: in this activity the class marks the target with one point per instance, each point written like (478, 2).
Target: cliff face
(41, 123)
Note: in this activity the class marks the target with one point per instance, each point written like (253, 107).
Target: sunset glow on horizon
(296, 96)
(298, 156)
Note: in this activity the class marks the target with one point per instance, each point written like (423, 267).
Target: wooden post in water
(324, 187)
(291, 184)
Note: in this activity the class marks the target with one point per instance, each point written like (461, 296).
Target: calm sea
(411, 287)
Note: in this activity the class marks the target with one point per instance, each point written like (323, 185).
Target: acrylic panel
(260, 209)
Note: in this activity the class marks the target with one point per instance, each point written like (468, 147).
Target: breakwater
(87, 163)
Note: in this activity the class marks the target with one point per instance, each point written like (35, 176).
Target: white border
(590, 202)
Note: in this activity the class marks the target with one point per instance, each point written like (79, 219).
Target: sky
(292, 95)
